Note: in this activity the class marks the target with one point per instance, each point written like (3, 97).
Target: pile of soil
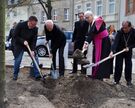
(66, 92)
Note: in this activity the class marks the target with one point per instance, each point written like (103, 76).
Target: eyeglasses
(86, 17)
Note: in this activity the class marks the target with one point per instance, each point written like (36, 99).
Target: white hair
(48, 22)
(88, 13)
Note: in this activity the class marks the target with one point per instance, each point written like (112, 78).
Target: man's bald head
(49, 25)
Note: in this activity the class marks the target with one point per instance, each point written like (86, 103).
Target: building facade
(64, 12)
(108, 9)
(127, 11)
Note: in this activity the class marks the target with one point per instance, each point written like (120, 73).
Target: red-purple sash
(98, 48)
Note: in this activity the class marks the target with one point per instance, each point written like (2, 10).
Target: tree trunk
(2, 53)
(49, 9)
(47, 6)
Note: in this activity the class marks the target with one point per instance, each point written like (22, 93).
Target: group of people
(88, 29)
(106, 42)
(25, 34)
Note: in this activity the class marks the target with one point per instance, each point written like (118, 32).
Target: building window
(42, 16)
(88, 7)
(12, 1)
(55, 15)
(79, 8)
(111, 6)
(66, 14)
(130, 7)
(99, 8)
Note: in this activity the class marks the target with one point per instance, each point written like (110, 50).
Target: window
(79, 8)
(12, 1)
(99, 8)
(54, 15)
(88, 7)
(42, 16)
(111, 6)
(130, 7)
(66, 14)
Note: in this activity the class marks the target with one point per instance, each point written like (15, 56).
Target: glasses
(86, 17)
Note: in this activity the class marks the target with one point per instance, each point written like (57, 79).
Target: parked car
(42, 50)
(7, 44)
(40, 46)
(69, 35)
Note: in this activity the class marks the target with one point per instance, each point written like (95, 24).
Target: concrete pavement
(46, 61)
(26, 61)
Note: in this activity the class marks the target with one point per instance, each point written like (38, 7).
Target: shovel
(37, 66)
(54, 73)
(78, 54)
(103, 60)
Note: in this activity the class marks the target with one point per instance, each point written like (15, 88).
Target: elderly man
(58, 41)
(125, 38)
(101, 45)
(25, 34)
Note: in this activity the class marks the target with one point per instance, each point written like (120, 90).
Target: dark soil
(70, 91)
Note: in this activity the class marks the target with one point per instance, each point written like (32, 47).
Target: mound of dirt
(68, 92)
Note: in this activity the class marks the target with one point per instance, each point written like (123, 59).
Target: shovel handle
(28, 47)
(103, 60)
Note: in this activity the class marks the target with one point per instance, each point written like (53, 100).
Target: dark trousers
(127, 56)
(75, 64)
(61, 58)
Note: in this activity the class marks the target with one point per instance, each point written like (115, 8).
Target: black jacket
(22, 33)
(122, 38)
(11, 35)
(56, 36)
(80, 30)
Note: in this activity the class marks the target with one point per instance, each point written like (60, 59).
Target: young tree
(2, 53)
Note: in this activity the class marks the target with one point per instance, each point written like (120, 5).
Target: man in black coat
(25, 34)
(80, 30)
(11, 35)
(125, 38)
(58, 41)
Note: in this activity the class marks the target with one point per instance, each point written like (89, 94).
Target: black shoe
(61, 75)
(14, 78)
(129, 84)
(38, 78)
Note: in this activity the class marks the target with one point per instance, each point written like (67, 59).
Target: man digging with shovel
(25, 35)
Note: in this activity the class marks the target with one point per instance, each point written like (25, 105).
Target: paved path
(46, 61)
(26, 61)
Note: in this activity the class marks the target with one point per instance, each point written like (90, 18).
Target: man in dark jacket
(80, 30)
(11, 35)
(125, 38)
(25, 34)
(58, 41)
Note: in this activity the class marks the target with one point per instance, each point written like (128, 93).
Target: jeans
(17, 63)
